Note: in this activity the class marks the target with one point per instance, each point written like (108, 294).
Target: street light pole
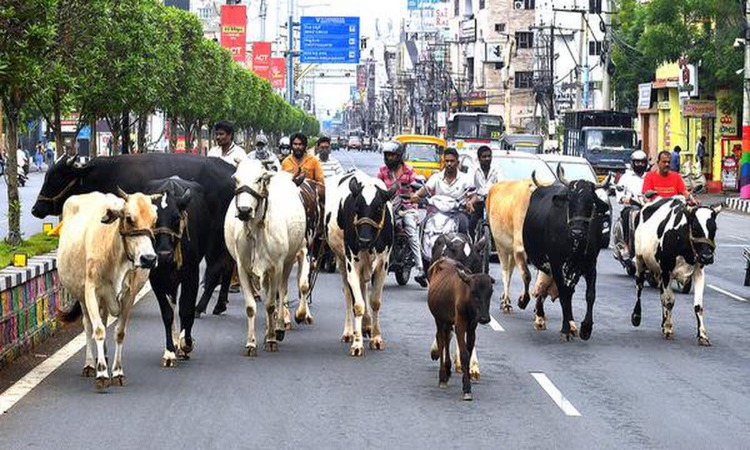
(290, 56)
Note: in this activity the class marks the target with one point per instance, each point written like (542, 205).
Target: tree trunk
(14, 202)
(199, 146)
(172, 133)
(59, 146)
(125, 121)
(2, 131)
(93, 145)
(142, 122)
(189, 127)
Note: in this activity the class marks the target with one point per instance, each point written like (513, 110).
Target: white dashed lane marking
(555, 394)
(495, 325)
(15, 393)
(728, 294)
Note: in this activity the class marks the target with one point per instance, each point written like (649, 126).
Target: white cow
(359, 230)
(105, 248)
(264, 230)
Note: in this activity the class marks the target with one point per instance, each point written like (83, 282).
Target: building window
(524, 80)
(595, 48)
(499, 28)
(204, 13)
(455, 8)
(595, 6)
(523, 4)
(524, 39)
(481, 4)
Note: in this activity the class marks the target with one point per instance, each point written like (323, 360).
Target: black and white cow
(561, 234)
(674, 240)
(359, 231)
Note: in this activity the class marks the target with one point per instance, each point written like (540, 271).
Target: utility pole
(290, 56)
(262, 16)
(606, 86)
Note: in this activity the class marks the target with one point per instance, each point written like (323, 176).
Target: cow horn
(605, 184)
(122, 194)
(462, 273)
(561, 175)
(70, 160)
(537, 182)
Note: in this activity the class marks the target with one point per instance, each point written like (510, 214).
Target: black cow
(132, 173)
(458, 247)
(561, 234)
(674, 240)
(180, 245)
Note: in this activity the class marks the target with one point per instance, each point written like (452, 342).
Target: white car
(513, 165)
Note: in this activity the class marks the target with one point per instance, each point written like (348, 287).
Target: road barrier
(29, 299)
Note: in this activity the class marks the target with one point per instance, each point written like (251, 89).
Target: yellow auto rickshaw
(423, 153)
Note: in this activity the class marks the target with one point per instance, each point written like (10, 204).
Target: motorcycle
(441, 218)
(695, 180)
(401, 261)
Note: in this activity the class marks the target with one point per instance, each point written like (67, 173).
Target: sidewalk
(730, 200)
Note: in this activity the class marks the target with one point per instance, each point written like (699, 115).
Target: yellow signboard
(20, 259)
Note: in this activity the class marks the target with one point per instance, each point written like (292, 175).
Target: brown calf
(460, 300)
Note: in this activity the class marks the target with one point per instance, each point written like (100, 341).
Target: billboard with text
(234, 30)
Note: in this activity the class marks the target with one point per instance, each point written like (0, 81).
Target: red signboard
(278, 73)
(234, 30)
(262, 59)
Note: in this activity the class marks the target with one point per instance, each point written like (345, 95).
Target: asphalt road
(630, 387)
(30, 225)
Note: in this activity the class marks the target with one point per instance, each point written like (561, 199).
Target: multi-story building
(492, 57)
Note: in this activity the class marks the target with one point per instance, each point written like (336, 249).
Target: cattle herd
(133, 218)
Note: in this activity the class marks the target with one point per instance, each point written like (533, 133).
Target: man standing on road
(484, 177)
(674, 163)
(396, 170)
(331, 166)
(232, 153)
(700, 150)
(665, 182)
(225, 148)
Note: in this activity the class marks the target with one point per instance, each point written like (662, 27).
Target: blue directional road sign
(329, 40)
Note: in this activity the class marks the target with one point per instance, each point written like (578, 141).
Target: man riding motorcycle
(665, 183)
(284, 148)
(263, 154)
(628, 192)
(396, 170)
(484, 177)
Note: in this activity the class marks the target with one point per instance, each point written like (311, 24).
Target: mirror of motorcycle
(463, 168)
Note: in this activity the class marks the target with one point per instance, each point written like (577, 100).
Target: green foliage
(646, 35)
(37, 244)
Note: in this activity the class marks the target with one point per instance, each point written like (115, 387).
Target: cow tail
(70, 315)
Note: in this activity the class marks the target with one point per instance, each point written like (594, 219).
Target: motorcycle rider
(263, 154)
(664, 182)
(284, 148)
(629, 188)
(396, 170)
(484, 177)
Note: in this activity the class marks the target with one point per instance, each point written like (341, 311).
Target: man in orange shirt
(302, 162)
(665, 182)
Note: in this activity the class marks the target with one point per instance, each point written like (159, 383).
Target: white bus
(467, 131)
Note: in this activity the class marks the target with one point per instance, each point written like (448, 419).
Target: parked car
(578, 168)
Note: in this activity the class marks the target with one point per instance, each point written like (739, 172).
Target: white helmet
(639, 155)
(284, 141)
(639, 162)
(261, 139)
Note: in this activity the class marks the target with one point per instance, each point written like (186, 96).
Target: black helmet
(396, 148)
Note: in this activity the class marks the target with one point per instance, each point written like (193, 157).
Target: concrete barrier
(29, 299)
(738, 204)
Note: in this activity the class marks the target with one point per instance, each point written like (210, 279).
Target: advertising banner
(278, 73)
(262, 59)
(234, 30)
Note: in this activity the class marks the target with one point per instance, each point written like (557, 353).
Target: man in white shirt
(449, 182)
(225, 148)
(330, 166)
(484, 177)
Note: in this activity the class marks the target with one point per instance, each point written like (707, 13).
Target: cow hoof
(167, 362)
(309, 320)
(635, 319)
(540, 323)
(287, 326)
(357, 351)
(573, 329)
(118, 380)
(565, 337)
(88, 372)
(377, 343)
(474, 374)
(443, 385)
(347, 337)
(523, 301)
(219, 308)
(251, 351)
(468, 397)
(586, 329)
(668, 334)
(507, 308)
(102, 383)
(703, 341)
(280, 334)
(271, 347)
